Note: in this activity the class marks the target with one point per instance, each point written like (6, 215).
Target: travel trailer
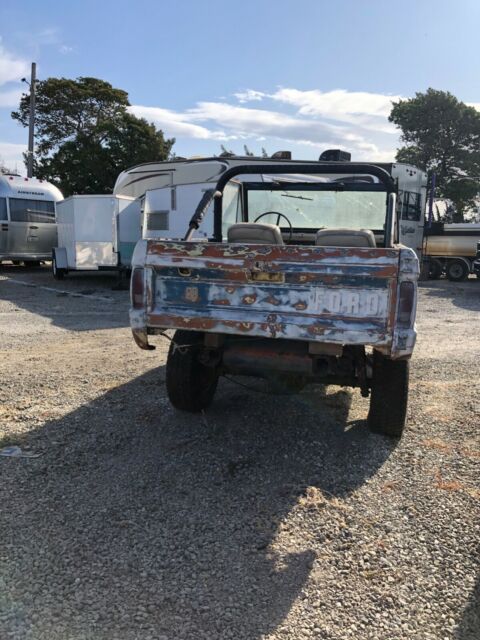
(95, 232)
(170, 192)
(28, 229)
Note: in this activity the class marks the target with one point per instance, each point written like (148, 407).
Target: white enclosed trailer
(95, 232)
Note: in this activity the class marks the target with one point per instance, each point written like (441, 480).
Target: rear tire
(58, 274)
(456, 270)
(191, 385)
(389, 396)
(435, 269)
(31, 263)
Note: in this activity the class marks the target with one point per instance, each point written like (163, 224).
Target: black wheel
(58, 274)
(435, 269)
(31, 263)
(389, 396)
(456, 270)
(16, 263)
(191, 384)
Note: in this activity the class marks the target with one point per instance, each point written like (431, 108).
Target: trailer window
(32, 210)
(409, 205)
(3, 208)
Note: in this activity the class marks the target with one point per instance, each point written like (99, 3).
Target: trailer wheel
(58, 274)
(456, 270)
(435, 269)
(191, 384)
(389, 396)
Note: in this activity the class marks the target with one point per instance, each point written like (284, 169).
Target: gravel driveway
(266, 518)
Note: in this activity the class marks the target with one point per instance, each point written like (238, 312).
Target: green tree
(85, 135)
(442, 136)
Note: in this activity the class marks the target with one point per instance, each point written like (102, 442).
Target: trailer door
(411, 220)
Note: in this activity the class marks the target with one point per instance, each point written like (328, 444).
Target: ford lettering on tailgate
(345, 302)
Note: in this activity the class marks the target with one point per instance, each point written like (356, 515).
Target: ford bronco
(302, 281)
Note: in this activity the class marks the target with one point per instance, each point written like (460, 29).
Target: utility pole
(31, 122)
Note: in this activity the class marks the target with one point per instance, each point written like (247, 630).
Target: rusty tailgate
(339, 295)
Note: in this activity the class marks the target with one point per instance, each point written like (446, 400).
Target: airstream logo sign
(31, 193)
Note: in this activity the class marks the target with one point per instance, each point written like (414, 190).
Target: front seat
(254, 233)
(345, 238)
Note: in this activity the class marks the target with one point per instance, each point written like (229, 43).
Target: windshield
(320, 209)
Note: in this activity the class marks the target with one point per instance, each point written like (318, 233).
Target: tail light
(406, 302)
(137, 288)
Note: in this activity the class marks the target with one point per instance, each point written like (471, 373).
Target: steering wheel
(279, 215)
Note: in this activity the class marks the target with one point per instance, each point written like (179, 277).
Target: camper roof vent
(335, 155)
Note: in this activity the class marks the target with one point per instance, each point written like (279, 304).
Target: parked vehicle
(28, 229)
(451, 249)
(95, 232)
(305, 283)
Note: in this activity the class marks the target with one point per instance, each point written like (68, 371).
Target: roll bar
(317, 168)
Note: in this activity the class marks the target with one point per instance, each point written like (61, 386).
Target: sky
(299, 75)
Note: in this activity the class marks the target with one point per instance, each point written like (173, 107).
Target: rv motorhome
(170, 192)
(28, 229)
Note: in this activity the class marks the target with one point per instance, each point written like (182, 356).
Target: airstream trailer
(28, 229)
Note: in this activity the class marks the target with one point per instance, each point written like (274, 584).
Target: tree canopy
(442, 136)
(85, 135)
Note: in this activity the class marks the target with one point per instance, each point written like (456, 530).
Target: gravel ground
(267, 518)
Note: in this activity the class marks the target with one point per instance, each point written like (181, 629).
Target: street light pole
(31, 122)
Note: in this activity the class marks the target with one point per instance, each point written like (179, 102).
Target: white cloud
(10, 98)
(369, 110)
(313, 125)
(11, 156)
(475, 105)
(64, 49)
(176, 124)
(249, 95)
(12, 68)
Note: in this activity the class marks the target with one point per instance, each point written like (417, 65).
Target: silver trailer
(28, 229)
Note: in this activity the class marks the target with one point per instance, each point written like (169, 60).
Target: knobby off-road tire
(389, 396)
(191, 385)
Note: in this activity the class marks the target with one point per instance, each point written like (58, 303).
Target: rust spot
(272, 300)
(230, 289)
(191, 294)
(249, 299)
(223, 302)
(300, 306)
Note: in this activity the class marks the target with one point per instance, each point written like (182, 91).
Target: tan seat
(254, 233)
(345, 238)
